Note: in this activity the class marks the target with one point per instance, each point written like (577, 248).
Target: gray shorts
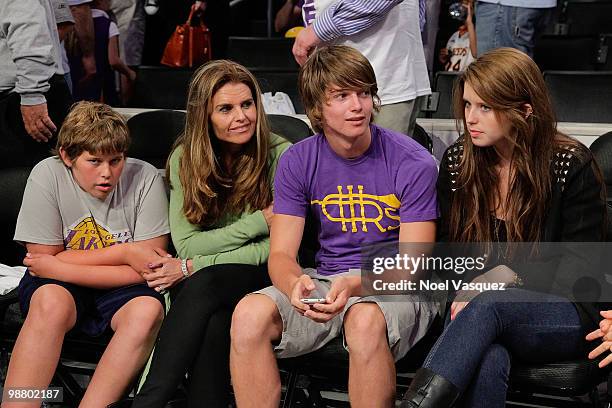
(407, 320)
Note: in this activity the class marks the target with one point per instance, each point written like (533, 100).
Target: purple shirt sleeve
(348, 17)
(289, 191)
(416, 183)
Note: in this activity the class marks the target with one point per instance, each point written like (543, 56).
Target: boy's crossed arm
(109, 267)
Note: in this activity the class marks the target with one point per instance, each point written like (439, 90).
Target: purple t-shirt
(358, 201)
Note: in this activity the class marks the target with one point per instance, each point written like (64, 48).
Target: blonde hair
(210, 191)
(335, 65)
(93, 127)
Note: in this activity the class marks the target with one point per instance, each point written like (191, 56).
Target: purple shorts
(95, 307)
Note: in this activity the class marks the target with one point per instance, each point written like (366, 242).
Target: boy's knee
(255, 319)
(365, 328)
(53, 306)
(141, 316)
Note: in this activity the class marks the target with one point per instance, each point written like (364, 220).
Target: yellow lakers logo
(87, 234)
(351, 208)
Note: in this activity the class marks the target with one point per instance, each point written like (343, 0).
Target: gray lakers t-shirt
(55, 210)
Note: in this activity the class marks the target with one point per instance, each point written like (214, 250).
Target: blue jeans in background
(508, 26)
(475, 350)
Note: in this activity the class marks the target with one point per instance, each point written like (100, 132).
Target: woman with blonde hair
(512, 177)
(220, 171)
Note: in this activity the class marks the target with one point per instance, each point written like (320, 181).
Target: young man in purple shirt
(364, 185)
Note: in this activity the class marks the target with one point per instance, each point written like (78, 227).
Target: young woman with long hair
(512, 177)
(220, 172)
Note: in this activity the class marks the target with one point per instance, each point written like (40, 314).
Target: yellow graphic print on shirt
(88, 234)
(352, 207)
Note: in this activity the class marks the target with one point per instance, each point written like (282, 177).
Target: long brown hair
(506, 80)
(210, 190)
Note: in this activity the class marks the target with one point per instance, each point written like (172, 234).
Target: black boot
(429, 390)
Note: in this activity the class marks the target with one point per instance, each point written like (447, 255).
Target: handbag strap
(190, 18)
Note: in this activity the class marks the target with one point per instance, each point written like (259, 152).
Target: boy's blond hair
(334, 65)
(93, 127)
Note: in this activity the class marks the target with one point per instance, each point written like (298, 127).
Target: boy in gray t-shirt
(94, 224)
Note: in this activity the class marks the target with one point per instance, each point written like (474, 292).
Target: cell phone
(312, 301)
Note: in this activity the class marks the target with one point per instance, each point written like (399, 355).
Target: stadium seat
(585, 17)
(153, 134)
(289, 127)
(443, 85)
(161, 87)
(284, 81)
(262, 52)
(581, 96)
(551, 52)
(602, 151)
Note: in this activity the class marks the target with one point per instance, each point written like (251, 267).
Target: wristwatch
(184, 267)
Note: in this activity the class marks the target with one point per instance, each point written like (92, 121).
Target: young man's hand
(44, 265)
(341, 290)
(144, 259)
(301, 289)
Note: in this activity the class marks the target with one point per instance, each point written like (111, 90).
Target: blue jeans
(475, 350)
(508, 26)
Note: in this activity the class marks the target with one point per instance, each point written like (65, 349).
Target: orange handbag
(188, 46)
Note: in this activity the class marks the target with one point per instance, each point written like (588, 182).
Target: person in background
(511, 23)
(461, 48)
(131, 22)
(34, 97)
(84, 31)
(103, 86)
(289, 15)
(65, 24)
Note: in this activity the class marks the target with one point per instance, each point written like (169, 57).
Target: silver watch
(184, 267)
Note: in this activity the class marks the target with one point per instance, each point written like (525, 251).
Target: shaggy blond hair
(335, 65)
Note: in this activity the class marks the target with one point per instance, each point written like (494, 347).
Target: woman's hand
(43, 265)
(165, 275)
(605, 334)
(268, 214)
(144, 259)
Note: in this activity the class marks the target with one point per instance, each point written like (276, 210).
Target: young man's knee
(141, 316)
(365, 327)
(254, 320)
(54, 307)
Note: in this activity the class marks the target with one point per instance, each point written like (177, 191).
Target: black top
(576, 213)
